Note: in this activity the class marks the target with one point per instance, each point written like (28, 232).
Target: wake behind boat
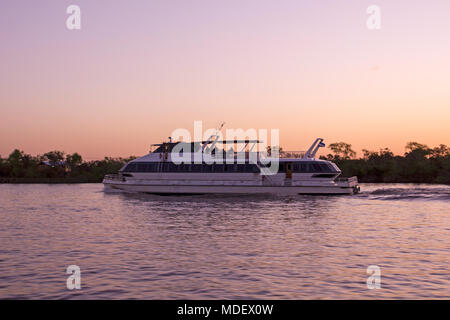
(223, 171)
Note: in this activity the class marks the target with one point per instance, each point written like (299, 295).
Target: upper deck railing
(220, 153)
(292, 154)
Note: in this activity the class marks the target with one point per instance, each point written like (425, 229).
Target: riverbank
(73, 180)
(47, 180)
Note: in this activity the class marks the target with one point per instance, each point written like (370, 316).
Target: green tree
(15, 161)
(440, 152)
(383, 154)
(417, 150)
(54, 157)
(4, 168)
(74, 160)
(342, 150)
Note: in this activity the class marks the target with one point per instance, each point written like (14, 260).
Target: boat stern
(350, 183)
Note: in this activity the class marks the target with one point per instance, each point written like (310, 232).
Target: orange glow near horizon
(133, 74)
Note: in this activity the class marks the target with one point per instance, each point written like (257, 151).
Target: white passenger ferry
(229, 172)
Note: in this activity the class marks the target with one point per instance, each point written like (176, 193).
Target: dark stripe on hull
(174, 194)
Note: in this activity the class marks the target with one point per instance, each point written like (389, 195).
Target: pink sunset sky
(137, 70)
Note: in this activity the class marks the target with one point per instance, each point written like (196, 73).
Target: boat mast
(215, 136)
(311, 153)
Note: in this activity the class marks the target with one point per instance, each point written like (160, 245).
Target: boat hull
(217, 189)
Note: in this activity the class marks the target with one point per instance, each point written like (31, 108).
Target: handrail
(346, 179)
(292, 154)
(114, 177)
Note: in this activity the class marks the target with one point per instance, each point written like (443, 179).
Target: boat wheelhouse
(203, 168)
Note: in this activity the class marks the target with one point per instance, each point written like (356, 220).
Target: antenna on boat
(311, 153)
(215, 136)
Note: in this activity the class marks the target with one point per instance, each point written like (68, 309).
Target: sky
(137, 70)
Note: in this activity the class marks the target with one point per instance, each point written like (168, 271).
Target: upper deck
(217, 152)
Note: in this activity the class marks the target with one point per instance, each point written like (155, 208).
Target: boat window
(141, 167)
(265, 165)
(173, 167)
(164, 167)
(131, 167)
(297, 167)
(331, 167)
(251, 168)
(281, 167)
(208, 168)
(324, 167)
(184, 167)
(300, 167)
(303, 167)
(229, 168)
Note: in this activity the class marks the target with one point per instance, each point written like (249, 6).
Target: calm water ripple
(228, 247)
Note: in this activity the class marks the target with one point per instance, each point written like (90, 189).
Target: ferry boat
(223, 171)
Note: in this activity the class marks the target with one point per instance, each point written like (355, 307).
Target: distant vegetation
(419, 164)
(56, 167)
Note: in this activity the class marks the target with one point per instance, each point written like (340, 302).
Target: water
(232, 247)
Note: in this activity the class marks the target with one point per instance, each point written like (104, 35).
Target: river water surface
(224, 247)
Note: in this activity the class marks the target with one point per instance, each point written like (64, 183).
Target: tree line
(420, 164)
(56, 166)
